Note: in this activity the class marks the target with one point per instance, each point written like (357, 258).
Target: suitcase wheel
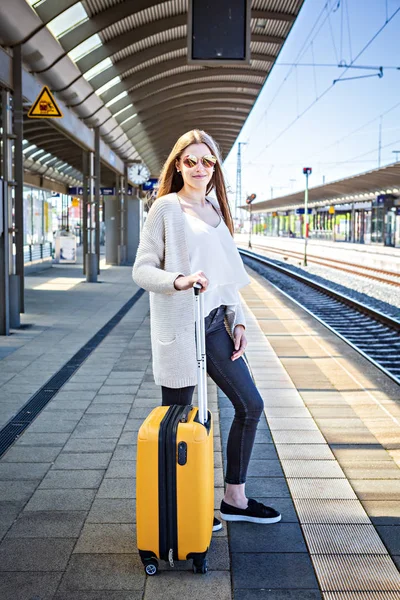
(200, 566)
(151, 567)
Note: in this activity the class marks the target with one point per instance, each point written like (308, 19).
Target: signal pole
(307, 171)
(249, 200)
(238, 197)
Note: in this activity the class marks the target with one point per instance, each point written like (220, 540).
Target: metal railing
(35, 252)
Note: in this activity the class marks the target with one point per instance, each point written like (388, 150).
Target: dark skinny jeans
(234, 379)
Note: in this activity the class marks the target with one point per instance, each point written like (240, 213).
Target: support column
(18, 175)
(112, 227)
(5, 169)
(133, 227)
(97, 179)
(11, 278)
(123, 201)
(85, 169)
(91, 256)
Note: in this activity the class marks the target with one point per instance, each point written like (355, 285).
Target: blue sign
(150, 184)
(300, 211)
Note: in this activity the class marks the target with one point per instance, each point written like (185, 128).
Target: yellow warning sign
(45, 107)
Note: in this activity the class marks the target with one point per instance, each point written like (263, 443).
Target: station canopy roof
(134, 54)
(358, 188)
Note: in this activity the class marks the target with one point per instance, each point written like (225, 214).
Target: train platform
(327, 455)
(370, 256)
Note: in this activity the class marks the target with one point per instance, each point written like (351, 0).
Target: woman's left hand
(240, 342)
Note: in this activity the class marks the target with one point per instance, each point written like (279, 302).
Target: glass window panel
(108, 85)
(87, 46)
(97, 69)
(114, 100)
(68, 20)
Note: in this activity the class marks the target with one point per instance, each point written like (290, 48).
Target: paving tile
(312, 469)
(264, 468)
(96, 460)
(117, 488)
(391, 537)
(17, 554)
(75, 499)
(28, 586)
(99, 595)
(126, 452)
(23, 471)
(265, 594)
(375, 470)
(263, 452)
(107, 538)
(37, 454)
(169, 586)
(54, 524)
(273, 571)
(356, 572)
(304, 452)
(68, 479)
(8, 513)
(43, 426)
(298, 437)
(17, 491)
(90, 445)
(343, 539)
(277, 424)
(103, 572)
(261, 486)
(326, 510)
(280, 537)
(383, 512)
(42, 439)
(369, 489)
(321, 488)
(96, 431)
(117, 510)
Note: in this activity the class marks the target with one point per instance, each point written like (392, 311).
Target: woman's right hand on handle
(186, 282)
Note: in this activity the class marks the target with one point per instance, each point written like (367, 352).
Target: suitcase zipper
(168, 525)
(162, 485)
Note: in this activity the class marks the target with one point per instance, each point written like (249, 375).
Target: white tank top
(212, 250)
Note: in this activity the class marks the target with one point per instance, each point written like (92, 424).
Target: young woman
(188, 238)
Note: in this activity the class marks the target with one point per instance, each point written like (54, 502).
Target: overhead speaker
(219, 32)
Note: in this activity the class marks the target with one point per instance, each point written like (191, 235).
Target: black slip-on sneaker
(256, 512)
(217, 525)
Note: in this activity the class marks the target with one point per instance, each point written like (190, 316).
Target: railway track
(381, 275)
(370, 332)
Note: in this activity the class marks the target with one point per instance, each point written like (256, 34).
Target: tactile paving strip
(289, 424)
(305, 452)
(361, 596)
(325, 510)
(315, 469)
(343, 539)
(321, 488)
(356, 573)
(297, 437)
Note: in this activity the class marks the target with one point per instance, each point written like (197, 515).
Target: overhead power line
(277, 137)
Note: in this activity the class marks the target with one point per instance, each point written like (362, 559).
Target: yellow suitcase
(175, 476)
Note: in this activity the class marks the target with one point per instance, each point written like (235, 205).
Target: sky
(338, 134)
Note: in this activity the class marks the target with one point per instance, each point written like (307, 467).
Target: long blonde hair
(172, 181)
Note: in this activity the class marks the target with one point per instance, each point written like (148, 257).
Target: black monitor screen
(219, 29)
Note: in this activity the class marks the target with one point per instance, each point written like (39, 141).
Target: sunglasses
(208, 161)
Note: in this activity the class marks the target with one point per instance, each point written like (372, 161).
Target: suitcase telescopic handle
(201, 354)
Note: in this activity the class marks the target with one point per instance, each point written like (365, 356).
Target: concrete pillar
(111, 206)
(132, 228)
(122, 198)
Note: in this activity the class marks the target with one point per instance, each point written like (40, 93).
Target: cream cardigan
(162, 255)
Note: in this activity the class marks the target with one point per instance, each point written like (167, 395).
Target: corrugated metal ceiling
(141, 36)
